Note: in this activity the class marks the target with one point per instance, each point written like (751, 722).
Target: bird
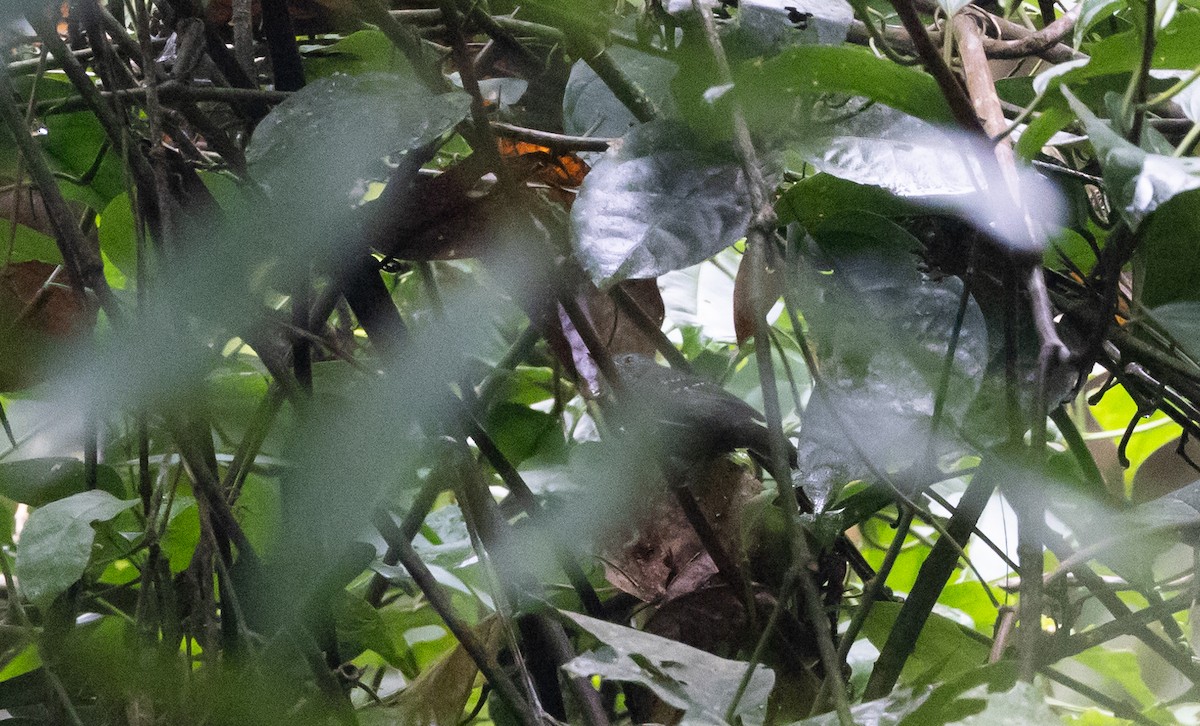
(690, 417)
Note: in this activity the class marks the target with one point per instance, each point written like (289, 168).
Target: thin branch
(484, 659)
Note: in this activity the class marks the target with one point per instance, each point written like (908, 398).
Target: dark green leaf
(589, 107)
(56, 543)
(38, 482)
(944, 648)
(804, 71)
(314, 149)
(1182, 321)
(657, 203)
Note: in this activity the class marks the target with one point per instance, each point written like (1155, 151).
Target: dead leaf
(439, 695)
(754, 293)
(39, 315)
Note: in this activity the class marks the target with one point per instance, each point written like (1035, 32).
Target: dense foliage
(599, 361)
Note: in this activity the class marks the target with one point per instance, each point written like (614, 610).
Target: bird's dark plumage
(692, 417)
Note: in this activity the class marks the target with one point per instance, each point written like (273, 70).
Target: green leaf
(1114, 412)
(589, 107)
(820, 197)
(1174, 47)
(884, 329)
(1182, 321)
(520, 432)
(1137, 182)
(1166, 259)
(1092, 12)
(659, 202)
(1121, 666)
(313, 149)
(805, 71)
(29, 244)
(365, 51)
(183, 533)
(118, 235)
(944, 648)
(938, 168)
(699, 683)
(38, 482)
(360, 626)
(56, 543)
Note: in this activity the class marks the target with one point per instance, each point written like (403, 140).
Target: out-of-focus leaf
(1093, 12)
(1182, 321)
(876, 145)
(56, 542)
(888, 711)
(1022, 703)
(765, 27)
(589, 107)
(1137, 182)
(38, 482)
(686, 678)
(1121, 666)
(659, 202)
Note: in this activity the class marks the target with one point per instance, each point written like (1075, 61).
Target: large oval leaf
(589, 107)
(56, 542)
(658, 202)
(318, 145)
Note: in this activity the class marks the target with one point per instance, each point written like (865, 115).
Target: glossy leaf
(699, 683)
(56, 543)
(657, 203)
(884, 329)
(589, 107)
(939, 168)
(771, 89)
(314, 148)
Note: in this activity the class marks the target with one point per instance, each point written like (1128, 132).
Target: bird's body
(691, 417)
